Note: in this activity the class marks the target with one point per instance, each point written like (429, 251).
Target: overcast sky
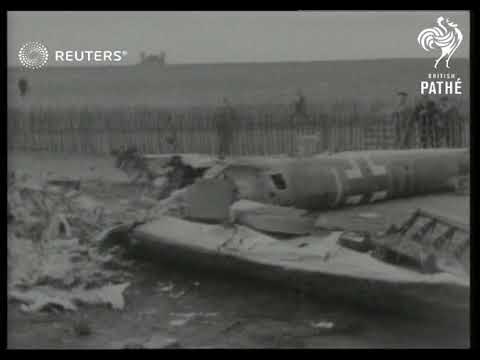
(205, 37)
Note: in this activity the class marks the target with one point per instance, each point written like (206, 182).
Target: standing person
(300, 105)
(299, 115)
(450, 117)
(401, 117)
(426, 115)
(435, 124)
(171, 141)
(225, 126)
(440, 123)
(23, 87)
(420, 121)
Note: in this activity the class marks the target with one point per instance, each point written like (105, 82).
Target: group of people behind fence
(430, 123)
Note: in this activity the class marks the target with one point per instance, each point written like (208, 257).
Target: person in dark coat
(427, 117)
(401, 118)
(450, 120)
(300, 105)
(297, 118)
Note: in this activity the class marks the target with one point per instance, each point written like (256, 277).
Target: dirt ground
(201, 310)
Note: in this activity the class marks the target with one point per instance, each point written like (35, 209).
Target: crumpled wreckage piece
(58, 227)
(172, 205)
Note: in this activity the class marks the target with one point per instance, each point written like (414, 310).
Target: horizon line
(227, 63)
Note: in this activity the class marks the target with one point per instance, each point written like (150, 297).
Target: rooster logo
(446, 39)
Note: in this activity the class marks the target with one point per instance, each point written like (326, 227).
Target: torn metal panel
(253, 207)
(209, 200)
(277, 224)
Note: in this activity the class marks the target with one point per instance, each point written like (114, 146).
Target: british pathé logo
(446, 37)
(33, 55)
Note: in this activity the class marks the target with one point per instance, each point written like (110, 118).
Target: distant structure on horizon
(157, 59)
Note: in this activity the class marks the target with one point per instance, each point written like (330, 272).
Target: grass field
(244, 83)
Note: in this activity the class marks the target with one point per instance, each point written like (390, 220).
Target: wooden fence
(258, 131)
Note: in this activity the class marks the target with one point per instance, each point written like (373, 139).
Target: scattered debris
(156, 341)
(148, 312)
(45, 297)
(134, 343)
(166, 288)
(65, 183)
(232, 325)
(54, 260)
(183, 318)
(323, 324)
(369, 215)
(109, 294)
(82, 328)
(330, 327)
(33, 301)
(177, 295)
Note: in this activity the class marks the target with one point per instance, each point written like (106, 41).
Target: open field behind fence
(259, 130)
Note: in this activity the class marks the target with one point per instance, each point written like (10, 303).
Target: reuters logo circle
(33, 55)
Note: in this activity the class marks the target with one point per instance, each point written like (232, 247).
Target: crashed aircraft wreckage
(371, 269)
(332, 181)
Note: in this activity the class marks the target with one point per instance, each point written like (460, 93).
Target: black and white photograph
(238, 179)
